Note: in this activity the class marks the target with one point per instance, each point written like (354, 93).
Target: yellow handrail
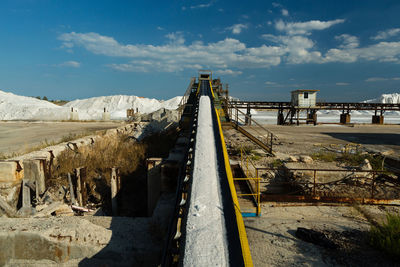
(239, 219)
(244, 163)
(212, 91)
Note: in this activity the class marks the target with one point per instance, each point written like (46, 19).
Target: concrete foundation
(169, 175)
(34, 171)
(11, 172)
(312, 118)
(26, 210)
(105, 116)
(153, 183)
(247, 119)
(74, 116)
(345, 118)
(377, 119)
(281, 119)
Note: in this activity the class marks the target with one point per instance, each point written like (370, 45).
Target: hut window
(305, 95)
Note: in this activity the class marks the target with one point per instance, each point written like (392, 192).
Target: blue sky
(350, 50)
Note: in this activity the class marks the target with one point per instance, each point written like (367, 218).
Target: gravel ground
(306, 138)
(86, 240)
(273, 241)
(272, 237)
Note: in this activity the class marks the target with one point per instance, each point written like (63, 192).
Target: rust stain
(58, 253)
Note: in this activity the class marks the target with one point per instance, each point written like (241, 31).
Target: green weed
(324, 156)
(386, 236)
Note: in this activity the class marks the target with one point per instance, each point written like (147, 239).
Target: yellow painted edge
(198, 89)
(212, 91)
(239, 219)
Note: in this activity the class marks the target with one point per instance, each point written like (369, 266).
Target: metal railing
(252, 180)
(366, 183)
(185, 97)
(265, 136)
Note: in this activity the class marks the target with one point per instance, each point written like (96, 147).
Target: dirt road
(17, 137)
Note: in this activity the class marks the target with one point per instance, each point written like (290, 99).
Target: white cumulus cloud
(381, 79)
(348, 41)
(228, 72)
(229, 55)
(386, 34)
(295, 28)
(237, 28)
(376, 79)
(269, 83)
(72, 64)
(201, 6)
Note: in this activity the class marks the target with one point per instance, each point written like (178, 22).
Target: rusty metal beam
(320, 105)
(316, 199)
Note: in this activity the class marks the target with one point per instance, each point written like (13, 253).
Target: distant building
(304, 98)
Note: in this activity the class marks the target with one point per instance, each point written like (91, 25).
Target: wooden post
(83, 186)
(71, 190)
(271, 142)
(81, 193)
(258, 194)
(114, 191)
(78, 186)
(315, 177)
(237, 115)
(50, 164)
(372, 185)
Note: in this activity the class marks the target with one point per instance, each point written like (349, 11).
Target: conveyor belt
(212, 227)
(212, 235)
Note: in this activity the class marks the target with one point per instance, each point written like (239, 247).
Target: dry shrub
(123, 152)
(111, 151)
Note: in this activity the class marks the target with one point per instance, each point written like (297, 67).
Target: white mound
(393, 98)
(15, 107)
(93, 108)
(386, 99)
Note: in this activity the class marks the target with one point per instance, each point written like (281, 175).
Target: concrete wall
(34, 166)
(153, 183)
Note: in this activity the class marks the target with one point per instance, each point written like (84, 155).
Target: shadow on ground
(368, 138)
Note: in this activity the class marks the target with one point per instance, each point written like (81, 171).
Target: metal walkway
(346, 106)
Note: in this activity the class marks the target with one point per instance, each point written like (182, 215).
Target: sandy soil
(272, 237)
(273, 241)
(86, 240)
(307, 138)
(20, 136)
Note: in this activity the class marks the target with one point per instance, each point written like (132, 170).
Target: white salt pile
(15, 107)
(386, 99)
(93, 108)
